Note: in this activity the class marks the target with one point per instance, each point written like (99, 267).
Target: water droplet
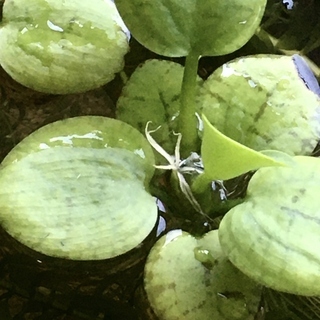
(243, 22)
(54, 27)
(252, 84)
(140, 153)
(283, 84)
(24, 30)
(77, 22)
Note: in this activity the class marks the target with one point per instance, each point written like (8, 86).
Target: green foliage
(75, 202)
(224, 158)
(62, 46)
(261, 102)
(153, 94)
(76, 189)
(271, 236)
(177, 283)
(177, 28)
(88, 132)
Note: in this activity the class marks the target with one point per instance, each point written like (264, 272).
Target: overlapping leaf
(175, 28)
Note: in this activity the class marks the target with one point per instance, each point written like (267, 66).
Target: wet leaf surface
(176, 29)
(23, 111)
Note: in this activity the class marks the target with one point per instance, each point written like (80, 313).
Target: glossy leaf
(191, 279)
(224, 158)
(62, 46)
(273, 236)
(76, 187)
(77, 203)
(153, 94)
(175, 28)
(262, 102)
(88, 132)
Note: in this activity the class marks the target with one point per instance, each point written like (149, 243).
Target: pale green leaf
(197, 281)
(224, 158)
(77, 203)
(261, 102)
(153, 94)
(175, 28)
(273, 236)
(62, 46)
(88, 132)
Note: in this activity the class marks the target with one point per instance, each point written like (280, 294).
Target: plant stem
(187, 117)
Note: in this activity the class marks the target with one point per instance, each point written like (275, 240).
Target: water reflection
(288, 3)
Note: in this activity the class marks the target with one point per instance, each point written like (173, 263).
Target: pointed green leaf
(175, 28)
(224, 158)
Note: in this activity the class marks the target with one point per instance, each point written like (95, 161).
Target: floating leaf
(77, 203)
(153, 94)
(189, 278)
(273, 236)
(175, 28)
(76, 187)
(62, 46)
(90, 132)
(261, 102)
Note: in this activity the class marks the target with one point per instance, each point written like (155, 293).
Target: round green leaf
(273, 236)
(90, 132)
(160, 103)
(77, 203)
(189, 278)
(261, 102)
(175, 28)
(62, 46)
